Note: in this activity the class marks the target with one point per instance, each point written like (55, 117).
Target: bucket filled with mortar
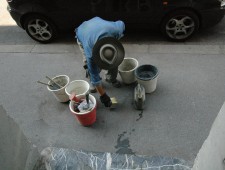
(84, 117)
(147, 76)
(127, 69)
(59, 90)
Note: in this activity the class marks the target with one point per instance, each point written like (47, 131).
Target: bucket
(60, 93)
(147, 76)
(79, 87)
(126, 70)
(85, 118)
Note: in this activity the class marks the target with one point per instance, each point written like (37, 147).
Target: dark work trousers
(110, 75)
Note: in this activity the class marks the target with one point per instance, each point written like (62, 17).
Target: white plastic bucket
(79, 87)
(127, 69)
(60, 93)
(147, 76)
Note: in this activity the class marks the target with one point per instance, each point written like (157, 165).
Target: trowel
(139, 97)
(45, 83)
(86, 106)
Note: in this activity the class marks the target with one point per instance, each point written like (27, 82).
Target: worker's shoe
(92, 89)
(115, 83)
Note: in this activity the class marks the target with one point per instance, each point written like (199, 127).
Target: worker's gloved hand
(105, 99)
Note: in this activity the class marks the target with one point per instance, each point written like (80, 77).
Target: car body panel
(135, 13)
(18, 9)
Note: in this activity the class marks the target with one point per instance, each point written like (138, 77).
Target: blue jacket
(89, 32)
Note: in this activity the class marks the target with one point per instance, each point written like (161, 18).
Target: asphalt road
(177, 117)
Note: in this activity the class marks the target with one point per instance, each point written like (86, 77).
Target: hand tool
(58, 85)
(44, 83)
(86, 106)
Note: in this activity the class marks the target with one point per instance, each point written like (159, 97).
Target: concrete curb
(212, 154)
(17, 153)
(140, 49)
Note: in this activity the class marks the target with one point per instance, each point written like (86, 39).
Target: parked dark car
(178, 20)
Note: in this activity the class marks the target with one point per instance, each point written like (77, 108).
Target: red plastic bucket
(85, 118)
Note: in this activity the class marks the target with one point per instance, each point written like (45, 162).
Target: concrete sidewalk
(177, 117)
(175, 122)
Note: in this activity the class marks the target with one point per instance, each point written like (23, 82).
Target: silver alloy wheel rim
(40, 29)
(180, 27)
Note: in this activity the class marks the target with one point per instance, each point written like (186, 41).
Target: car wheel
(180, 25)
(40, 28)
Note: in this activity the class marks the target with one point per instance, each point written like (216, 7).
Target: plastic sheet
(65, 159)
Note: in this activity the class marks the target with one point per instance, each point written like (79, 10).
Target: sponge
(114, 103)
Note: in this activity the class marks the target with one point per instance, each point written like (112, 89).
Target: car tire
(180, 25)
(40, 28)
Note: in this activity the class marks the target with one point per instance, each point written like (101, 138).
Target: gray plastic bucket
(126, 70)
(60, 94)
(147, 76)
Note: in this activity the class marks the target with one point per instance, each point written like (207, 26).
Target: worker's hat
(108, 53)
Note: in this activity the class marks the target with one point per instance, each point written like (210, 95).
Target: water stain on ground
(123, 144)
(140, 116)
